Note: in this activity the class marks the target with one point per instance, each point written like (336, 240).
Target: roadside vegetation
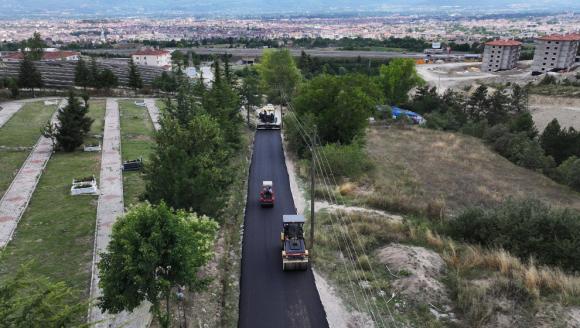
(57, 225)
(193, 175)
(472, 248)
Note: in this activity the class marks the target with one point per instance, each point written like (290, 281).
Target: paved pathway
(153, 112)
(8, 109)
(15, 200)
(109, 208)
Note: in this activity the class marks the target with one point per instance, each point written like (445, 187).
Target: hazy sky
(243, 7)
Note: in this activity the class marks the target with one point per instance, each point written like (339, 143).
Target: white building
(152, 57)
(500, 55)
(555, 52)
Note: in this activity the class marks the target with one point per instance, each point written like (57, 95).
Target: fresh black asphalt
(269, 296)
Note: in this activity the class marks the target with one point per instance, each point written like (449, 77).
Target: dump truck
(294, 252)
(268, 118)
(267, 194)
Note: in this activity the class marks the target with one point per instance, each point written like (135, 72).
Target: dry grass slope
(420, 170)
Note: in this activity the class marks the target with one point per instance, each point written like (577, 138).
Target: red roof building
(561, 37)
(152, 57)
(555, 52)
(503, 43)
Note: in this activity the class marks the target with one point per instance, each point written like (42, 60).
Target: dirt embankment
(545, 108)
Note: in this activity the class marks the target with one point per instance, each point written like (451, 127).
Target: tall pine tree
(74, 124)
(82, 74)
(28, 76)
(135, 81)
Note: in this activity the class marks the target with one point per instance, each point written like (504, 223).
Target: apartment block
(499, 55)
(555, 53)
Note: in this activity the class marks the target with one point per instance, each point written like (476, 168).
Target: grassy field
(22, 130)
(419, 170)
(57, 230)
(422, 173)
(137, 139)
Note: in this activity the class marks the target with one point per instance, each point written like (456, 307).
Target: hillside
(417, 168)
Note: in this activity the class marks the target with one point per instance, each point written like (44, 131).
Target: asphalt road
(269, 296)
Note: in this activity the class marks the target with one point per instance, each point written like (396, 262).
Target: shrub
(496, 132)
(443, 121)
(519, 148)
(347, 161)
(523, 122)
(475, 129)
(569, 172)
(526, 228)
(547, 80)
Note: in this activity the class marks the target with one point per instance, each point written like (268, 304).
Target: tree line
(334, 107)
(187, 177)
(501, 118)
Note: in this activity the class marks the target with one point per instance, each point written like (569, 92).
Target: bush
(475, 129)
(568, 172)
(347, 161)
(525, 228)
(496, 132)
(518, 148)
(442, 121)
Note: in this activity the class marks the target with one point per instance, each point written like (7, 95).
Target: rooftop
(503, 43)
(561, 37)
(151, 52)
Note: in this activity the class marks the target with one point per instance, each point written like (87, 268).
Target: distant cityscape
(430, 28)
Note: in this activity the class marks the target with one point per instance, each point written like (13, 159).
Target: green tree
(478, 104)
(82, 74)
(152, 251)
(35, 47)
(398, 78)
(341, 109)
(519, 98)
(29, 76)
(498, 107)
(35, 302)
(189, 166)
(523, 122)
(569, 172)
(553, 141)
(74, 124)
(279, 74)
(250, 92)
(94, 74)
(135, 81)
(107, 79)
(222, 102)
(165, 82)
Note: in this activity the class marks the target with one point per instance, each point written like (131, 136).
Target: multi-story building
(152, 57)
(555, 52)
(500, 55)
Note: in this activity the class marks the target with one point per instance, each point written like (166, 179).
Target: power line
(326, 172)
